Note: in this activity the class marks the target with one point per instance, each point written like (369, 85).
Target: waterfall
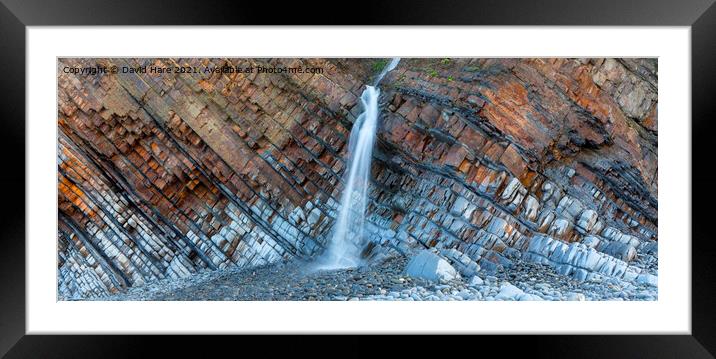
(344, 247)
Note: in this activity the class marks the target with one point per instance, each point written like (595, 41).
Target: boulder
(529, 297)
(476, 281)
(509, 292)
(430, 266)
(575, 296)
(648, 279)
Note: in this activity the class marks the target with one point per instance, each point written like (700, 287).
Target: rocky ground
(385, 280)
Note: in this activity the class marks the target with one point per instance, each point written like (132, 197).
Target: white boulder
(476, 281)
(509, 292)
(430, 266)
(575, 296)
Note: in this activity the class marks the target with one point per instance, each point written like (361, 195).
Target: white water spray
(344, 247)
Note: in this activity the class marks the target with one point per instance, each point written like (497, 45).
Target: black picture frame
(16, 15)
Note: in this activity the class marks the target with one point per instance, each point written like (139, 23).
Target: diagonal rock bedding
(537, 173)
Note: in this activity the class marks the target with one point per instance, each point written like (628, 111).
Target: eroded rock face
(487, 160)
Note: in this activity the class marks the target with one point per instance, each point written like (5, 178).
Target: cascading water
(344, 247)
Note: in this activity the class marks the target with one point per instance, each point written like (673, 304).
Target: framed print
(324, 179)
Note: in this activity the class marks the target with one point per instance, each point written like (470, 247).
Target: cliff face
(488, 160)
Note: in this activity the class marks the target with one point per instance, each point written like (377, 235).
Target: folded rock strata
(485, 160)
